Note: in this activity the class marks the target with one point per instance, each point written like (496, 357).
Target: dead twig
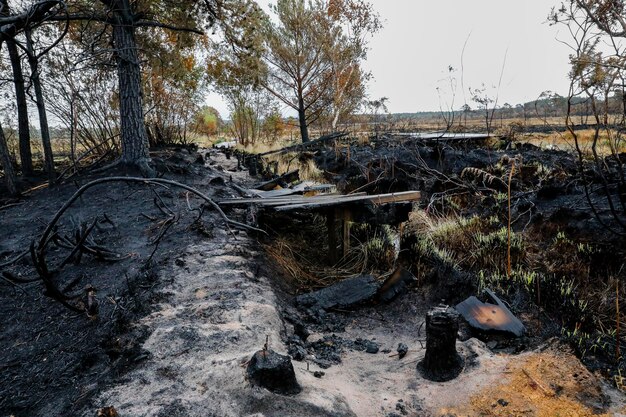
(152, 219)
(12, 277)
(160, 204)
(14, 260)
(536, 383)
(5, 279)
(6, 206)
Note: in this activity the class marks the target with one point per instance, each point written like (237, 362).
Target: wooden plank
(283, 192)
(304, 187)
(288, 202)
(272, 201)
(282, 200)
(405, 196)
(307, 186)
(297, 199)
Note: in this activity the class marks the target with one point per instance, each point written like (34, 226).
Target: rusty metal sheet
(490, 317)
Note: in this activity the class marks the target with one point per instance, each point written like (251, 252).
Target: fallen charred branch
(282, 180)
(146, 181)
(307, 145)
(83, 243)
(344, 294)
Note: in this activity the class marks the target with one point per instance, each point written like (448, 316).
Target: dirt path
(217, 312)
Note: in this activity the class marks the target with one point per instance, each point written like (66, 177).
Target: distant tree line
(552, 106)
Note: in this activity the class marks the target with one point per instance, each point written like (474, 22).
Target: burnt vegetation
(419, 224)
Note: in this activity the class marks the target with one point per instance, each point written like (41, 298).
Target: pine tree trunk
(33, 61)
(304, 129)
(5, 160)
(26, 156)
(135, 144)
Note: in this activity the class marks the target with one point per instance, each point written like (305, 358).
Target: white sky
(409, 58)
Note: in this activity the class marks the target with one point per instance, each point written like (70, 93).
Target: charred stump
(274, 372)
(254, 165)
(441, 362)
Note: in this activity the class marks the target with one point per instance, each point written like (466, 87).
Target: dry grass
(286, 162)
(303, 254)
(608, 142)
(306, 268)
(470, 243)
(478, 123)
(549, 384)
(263, 146)
(295, 267)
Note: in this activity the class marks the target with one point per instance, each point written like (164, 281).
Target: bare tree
(481, 97)
(377, 108)
(5, 159)
(594, 75)
(10, 26)
(26, 158)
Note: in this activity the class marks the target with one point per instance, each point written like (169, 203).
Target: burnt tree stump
(441, 362)
(274, 372)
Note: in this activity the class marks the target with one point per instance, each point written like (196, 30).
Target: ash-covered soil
(54, 360)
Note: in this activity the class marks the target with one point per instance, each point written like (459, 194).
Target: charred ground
(567, 270)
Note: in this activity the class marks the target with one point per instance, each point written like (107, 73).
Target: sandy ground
(218, 311)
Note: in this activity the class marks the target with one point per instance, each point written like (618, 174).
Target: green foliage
(491, 248)
(377, 244)
(273, 125)
(207, 121)
(307, 56)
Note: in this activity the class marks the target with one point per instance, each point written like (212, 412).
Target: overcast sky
(409, 58)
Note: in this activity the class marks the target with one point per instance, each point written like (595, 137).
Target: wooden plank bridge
(281, 202)
(337, 207)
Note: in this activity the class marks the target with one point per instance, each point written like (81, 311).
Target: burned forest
(247, 208)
